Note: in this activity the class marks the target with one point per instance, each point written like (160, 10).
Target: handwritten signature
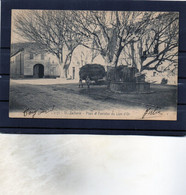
(33, 112)
(152, 111)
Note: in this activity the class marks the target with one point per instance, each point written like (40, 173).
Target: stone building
(28, 60)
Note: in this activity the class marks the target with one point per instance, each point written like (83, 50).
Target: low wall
(123, 87)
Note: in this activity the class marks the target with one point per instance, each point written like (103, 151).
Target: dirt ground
(69, 96)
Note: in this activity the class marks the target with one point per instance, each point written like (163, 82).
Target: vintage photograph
(115, 65)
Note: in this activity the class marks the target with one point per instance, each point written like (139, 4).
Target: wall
(51, 66)
(17, 65)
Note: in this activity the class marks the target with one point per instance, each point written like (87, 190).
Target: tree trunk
(133, 55)
(140, 53)
(64, 66)
(118, 55)
(67, 63)
(62, 71)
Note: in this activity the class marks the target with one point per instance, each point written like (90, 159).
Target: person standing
(88, 81)
(80, 83)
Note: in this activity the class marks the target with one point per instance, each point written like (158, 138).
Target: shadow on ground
(70, 96)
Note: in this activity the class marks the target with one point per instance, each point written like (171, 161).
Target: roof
(27, 46)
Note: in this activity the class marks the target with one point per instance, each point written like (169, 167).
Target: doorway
(38, 71)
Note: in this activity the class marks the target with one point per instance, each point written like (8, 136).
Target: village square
(95, 62)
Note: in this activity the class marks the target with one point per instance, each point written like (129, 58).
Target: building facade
(32, 62)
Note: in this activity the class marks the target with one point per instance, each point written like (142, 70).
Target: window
(31, 56)
(42, 56)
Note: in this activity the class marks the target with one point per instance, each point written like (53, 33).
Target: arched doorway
(38, 71)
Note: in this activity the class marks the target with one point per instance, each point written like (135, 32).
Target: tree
(52, 31)
(157, 48)
(108, 32)
(145, 40)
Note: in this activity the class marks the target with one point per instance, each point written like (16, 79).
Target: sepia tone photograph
(115, 65)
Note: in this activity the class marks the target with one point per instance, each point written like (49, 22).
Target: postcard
(115, 65)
